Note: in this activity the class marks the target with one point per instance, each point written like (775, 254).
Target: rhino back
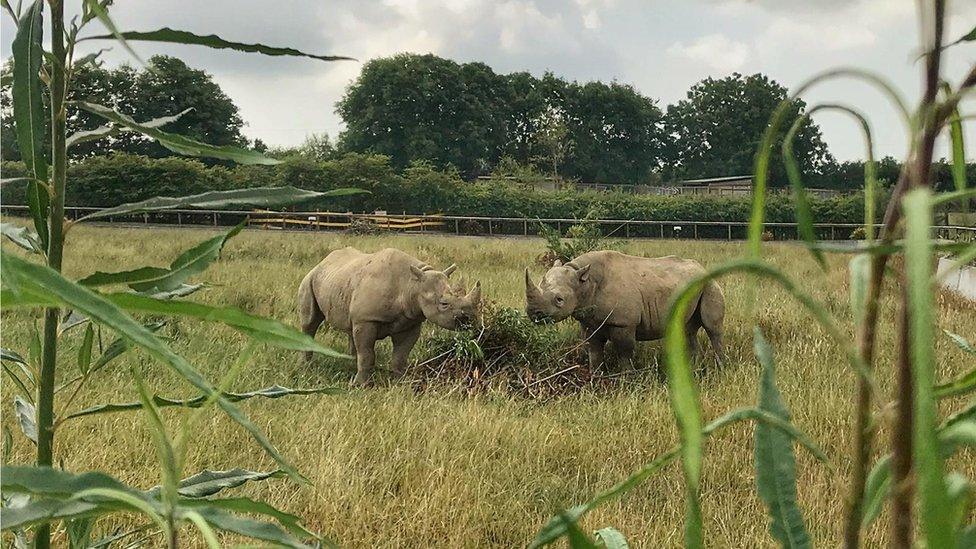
(352, 286)
(636, 291)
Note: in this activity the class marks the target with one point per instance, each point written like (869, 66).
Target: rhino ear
(557, 263)
(584, 273)
(449, 270)
(417, 272)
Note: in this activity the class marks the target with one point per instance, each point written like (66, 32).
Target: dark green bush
(420, 188)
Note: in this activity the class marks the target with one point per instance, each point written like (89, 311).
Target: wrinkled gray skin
(624, 299)
(379, 295)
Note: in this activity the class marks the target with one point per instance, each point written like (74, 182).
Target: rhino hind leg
(691, 335)
(711, 310)
(364, 338)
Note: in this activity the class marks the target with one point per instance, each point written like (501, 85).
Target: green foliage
(276, 391)
(172, 36)
(585, 236)
(422, 107)
(164, 87)
(775, 462)
(717, 129)
(420, 188)
(56, 495)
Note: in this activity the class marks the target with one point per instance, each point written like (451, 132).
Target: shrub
(582, 237)
(420, 188)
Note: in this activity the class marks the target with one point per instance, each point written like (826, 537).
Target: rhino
(371, 296)
(624, 299)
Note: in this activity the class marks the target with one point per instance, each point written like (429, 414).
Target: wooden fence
(477, 225)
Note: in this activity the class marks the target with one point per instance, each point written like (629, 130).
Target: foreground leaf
(275, 391)
(207, 482)
(177, 143)
(804, 214)
(26, 418)
(258, 197)
(934, 508)
(611, 538)
(775, 462)
(259, 328)
(876, 490)
(28, 111)
(23, 237)
(960, 342)
(159, 280)
(39, 283)
(56, 483)
(555, 528)
(251, 528)
(42, 511)
(291, 522)
(173, 36)
(98, 9)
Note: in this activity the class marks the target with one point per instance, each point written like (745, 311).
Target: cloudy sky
(660, 46)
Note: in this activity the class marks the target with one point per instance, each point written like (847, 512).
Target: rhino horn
(474, 296)
(449, 270)
(531, 290)
(557, 263)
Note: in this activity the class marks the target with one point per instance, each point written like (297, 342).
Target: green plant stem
(918, 172)
(864, 431)
(45, 391)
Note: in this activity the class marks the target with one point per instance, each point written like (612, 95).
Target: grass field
(391, 468)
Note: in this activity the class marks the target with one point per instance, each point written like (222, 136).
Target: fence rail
(476, 225)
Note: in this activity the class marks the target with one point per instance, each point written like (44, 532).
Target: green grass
(393, 467)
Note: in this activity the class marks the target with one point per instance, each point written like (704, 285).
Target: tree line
(467, 117)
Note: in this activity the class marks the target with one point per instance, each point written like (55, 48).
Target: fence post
(490, 233)
(525, 227)
(627, 229)
(695, 225)
(457, 231)
(179, 219)
(662, 230)
(730, 231)
(832, 236)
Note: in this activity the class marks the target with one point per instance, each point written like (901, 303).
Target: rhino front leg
(624, 342)
(364, 339)
(403, 342)
(596, 343)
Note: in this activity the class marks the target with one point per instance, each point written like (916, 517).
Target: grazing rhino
(379, 295)
(624, 299)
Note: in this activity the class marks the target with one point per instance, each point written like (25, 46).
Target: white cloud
(715, 51)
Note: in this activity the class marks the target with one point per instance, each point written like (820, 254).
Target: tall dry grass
(391, 468)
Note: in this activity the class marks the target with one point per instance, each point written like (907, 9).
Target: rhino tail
(309, 314)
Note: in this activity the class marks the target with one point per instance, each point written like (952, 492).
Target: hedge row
(119, 178)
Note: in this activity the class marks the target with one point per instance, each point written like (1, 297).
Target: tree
(422, 107)
(616, 131)
(318, 146)
(552, 139)
(166, 87)
(716, 130)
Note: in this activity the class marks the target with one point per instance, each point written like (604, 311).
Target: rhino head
(559, 294)
(443, 305)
